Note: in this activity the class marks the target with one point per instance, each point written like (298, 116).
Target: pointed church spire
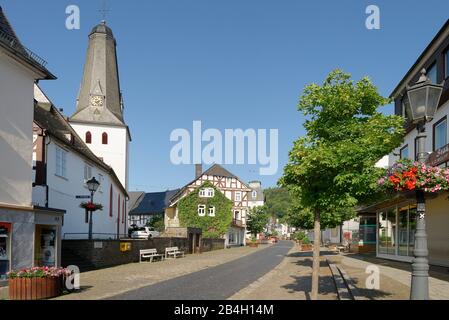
(99, 98)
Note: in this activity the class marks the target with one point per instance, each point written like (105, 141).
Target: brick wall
(88, 255)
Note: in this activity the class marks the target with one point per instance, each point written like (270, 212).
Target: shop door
(5, 236)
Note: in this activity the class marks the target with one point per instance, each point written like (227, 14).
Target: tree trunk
(316, 256)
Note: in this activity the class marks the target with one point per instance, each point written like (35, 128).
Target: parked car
(145, 233)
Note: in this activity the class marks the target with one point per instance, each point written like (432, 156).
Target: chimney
(198, 170)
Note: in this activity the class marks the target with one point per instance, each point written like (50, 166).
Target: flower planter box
(306, 247)
(253, 244)
(34, 288)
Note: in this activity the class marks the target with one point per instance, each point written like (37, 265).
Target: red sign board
(438, 157)
(5, 226)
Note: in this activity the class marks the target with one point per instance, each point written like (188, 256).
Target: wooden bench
(150, 253)
(173, 252)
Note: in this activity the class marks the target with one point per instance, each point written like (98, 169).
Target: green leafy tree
(277, 201)
(332, 166)
(258, 218)
(157, 223)
(212, 226)
(303, 218)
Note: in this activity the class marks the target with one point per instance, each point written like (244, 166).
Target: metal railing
(13, 43)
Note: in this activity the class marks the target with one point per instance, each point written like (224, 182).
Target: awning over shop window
(5, 228)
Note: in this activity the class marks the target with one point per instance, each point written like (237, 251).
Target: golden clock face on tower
(96, 101)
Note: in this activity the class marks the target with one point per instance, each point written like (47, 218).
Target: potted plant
(306, 245)
(406, 176)
(253, 243)
(36, 283)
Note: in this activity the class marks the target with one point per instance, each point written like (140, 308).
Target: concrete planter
(34, 288)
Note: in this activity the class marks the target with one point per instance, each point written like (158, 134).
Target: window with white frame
(238, 196)
(207, 192)
(210, 192)
(211, 211)
(254, 194)
(87, 172)
(201, 210)
(61, 162)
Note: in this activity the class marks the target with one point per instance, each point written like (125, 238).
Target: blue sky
(228, 63)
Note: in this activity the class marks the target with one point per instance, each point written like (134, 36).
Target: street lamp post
(423, 100)
(92, 185)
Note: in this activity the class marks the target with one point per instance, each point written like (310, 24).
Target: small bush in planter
(300, 237)
(253, 242)
(36, 283)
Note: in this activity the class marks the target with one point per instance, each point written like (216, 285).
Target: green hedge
(213, 227)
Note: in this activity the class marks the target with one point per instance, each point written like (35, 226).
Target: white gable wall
(17, 102)
(63, 191)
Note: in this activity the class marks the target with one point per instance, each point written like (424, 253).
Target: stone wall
(90, 255)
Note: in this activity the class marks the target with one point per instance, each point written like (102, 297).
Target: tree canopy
(258, 218)
(277, 202)
(333, 166)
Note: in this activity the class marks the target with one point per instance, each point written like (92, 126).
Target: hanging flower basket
(36, 283)
(406, 176)
(89, 206)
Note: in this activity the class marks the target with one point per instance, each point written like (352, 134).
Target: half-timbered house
(231, 186)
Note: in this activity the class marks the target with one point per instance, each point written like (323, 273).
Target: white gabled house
(29, 235)
(231, 186)
(62, 163)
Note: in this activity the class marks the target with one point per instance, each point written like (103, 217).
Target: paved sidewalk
(290, 280)
(104, 283)
(215, 283)
(395, 278)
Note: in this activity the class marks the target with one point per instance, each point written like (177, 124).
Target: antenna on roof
(104, 11)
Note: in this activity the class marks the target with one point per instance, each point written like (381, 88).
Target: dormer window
(405, 105)
(446, 62)
(207, 192)
(432, 73)
(104, 138)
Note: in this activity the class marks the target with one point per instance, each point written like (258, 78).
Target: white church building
(93, 142)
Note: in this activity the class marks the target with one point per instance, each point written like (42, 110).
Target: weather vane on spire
(104, 10)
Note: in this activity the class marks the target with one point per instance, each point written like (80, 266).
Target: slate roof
(219, 171)
(134, 196)
(153, 203)
(11, 43)
(214, 170)
(55, 124)
(100, 77)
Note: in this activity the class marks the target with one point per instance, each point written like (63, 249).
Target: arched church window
(88, 137)
(104, 138)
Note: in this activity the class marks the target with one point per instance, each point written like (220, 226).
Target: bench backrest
(171, 249)
(146, 251)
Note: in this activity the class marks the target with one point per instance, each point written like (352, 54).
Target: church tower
(99, 108)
